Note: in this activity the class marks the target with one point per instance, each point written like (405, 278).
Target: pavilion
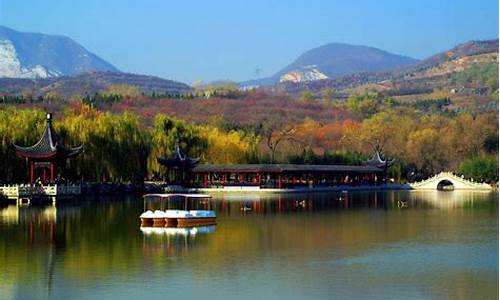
(48, 156)
(179, 165)
(187, 171)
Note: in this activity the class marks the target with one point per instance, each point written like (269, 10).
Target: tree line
(123, 146)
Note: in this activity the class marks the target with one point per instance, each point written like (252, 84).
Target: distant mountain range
(36, 55)
(335, 60)
(90, 83)
(438, 72)
(37, 63)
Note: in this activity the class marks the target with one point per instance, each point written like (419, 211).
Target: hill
(36, 55)
(89, 83)
(468, 69)
(335, 60)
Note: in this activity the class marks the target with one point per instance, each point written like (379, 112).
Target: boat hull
(146, 222)
(158, 222)
(184, 222)
(170, 222)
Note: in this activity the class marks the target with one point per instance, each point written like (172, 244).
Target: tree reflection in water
(275, 239)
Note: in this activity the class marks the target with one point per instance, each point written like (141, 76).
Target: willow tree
(166, 132)
(22, 127)
(116, 147)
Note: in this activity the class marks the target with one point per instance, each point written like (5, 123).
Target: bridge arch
(445, 185)
(448, 180)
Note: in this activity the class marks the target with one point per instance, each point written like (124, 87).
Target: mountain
(468, 69)
(89, 83)
(470, 48)
(36, 55)
(335, 60)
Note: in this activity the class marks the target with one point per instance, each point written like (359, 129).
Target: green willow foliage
(117, 147)
(166, 132)
(22, 127)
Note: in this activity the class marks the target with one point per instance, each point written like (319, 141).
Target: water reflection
(182, 231)
(95, 248)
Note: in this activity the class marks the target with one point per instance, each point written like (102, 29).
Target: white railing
(26, 190)
(449, 175)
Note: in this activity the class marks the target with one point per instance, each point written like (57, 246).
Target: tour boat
(178, 217)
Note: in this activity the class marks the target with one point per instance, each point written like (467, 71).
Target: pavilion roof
(48, 145)
(377, 161)
(178, 160)
(280, 168)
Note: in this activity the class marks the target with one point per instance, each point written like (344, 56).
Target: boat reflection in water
(174, 241)
(181, 231)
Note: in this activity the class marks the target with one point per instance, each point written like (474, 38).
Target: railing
(444, 175)
(26, 190)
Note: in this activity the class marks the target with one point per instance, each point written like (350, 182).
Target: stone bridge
(449, 179)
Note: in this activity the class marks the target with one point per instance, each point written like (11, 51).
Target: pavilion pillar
(279, 181)
(205, 179)
(32, 172)
(51, 172)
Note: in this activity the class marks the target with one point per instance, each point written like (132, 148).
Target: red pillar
(279, 181)
(51, 172)
(32, 172)
(205, 179)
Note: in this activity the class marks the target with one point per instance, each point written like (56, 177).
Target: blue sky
(210, 40)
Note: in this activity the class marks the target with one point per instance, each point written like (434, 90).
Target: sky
(239, 40)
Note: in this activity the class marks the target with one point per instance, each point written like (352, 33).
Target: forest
(124, 131)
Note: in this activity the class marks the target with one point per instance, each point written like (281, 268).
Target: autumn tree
(424, 150)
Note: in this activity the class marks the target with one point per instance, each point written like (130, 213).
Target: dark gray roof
(179, 160)
(48, 145)
(377, 160)
(279, 168)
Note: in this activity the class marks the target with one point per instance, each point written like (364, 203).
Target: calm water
(355, 245)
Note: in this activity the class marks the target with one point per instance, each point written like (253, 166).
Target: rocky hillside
(470, 69)
(35, 55)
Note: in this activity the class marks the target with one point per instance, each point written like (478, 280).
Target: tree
(425, 152)
(125, 90)
(482, 168)
(166, 132)
(328, 94)
(275, 136)
(307, 96)
(365, 104)
(227, 147)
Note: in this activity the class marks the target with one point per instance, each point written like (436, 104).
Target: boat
(179, 217)
(156, 218)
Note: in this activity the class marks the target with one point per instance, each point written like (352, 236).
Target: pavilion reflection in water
(38, 222)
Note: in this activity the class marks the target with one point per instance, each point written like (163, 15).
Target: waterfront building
(186, 171)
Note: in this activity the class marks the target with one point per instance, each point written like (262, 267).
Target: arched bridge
(448, 179)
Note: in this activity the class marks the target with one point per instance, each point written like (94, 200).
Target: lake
(362, 245)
